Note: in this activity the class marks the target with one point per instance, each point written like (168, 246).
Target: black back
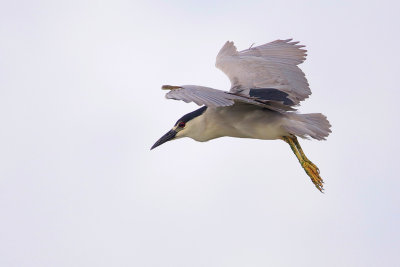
(271, 94)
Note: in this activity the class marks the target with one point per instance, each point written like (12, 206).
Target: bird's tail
(314, 125)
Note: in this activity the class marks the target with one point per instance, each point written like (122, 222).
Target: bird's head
(185, 127)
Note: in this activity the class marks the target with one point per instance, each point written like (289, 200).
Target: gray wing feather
(272, 65)
(216, 98)
(201, 96)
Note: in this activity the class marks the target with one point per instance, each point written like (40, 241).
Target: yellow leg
(312, 165)
(310, 168)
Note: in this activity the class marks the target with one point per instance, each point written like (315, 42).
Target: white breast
(243, 121)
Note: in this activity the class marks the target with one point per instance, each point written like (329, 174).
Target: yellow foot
(307, 165)
(313, 172)
(312, 165)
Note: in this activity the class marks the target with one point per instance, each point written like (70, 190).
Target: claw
(313, 166)
(313, 172)
(310, 168)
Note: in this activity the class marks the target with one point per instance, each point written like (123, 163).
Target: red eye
(181, 124)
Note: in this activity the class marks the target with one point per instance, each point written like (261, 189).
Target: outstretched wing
(266, 72)
(216, 98)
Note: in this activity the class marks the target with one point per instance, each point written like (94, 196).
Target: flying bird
(266, 87)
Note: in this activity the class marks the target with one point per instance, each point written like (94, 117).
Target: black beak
(165, 138)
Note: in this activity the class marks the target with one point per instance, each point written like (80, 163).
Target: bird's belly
(265, 131)
(257, 124)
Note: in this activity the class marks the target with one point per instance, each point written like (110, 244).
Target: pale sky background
(80, 106)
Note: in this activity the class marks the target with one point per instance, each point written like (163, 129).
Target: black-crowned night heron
(266, 85)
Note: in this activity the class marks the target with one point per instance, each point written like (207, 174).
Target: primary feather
(272, 65)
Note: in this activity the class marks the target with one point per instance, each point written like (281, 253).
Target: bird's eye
(181, 124)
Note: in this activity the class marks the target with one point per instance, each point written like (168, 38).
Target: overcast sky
(80, 106)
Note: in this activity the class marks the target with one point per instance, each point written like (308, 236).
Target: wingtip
(170, 87)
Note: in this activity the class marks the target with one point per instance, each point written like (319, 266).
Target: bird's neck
(205, 127)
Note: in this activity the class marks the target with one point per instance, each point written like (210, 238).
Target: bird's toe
(313, 172)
